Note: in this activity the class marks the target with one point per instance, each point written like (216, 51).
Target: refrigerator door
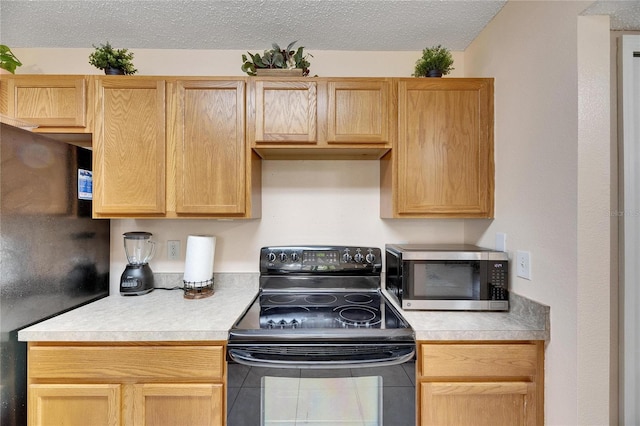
(54, 256)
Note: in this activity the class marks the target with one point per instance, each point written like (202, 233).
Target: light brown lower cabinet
(480, 383)
(79, 384)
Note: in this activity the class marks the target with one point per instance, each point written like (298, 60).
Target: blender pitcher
(137, 278)
(139, 247)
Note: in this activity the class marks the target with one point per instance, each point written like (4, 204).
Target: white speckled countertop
(167, 316)
(157, 316)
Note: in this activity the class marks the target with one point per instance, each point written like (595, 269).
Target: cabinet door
(210, 141)
(285, 112)
(54, 103)
(129, 147)
(478, 404)
(74, 405)
(445, 148)
(178, 404)
(358, 111)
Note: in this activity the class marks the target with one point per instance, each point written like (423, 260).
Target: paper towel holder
(198, 290)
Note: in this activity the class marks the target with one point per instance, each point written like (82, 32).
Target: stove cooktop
(279, 311)
(320, 307)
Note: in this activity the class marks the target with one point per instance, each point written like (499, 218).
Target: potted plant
(112, 61)
(8, 60)
(435, 62)
(277, 58)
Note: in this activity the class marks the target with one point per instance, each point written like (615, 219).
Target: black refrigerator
(53, 255)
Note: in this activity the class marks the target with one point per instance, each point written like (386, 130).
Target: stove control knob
(295, 257)
(283, 257)
(271, 257)
(371, 257)
(358, 257)
(271, 324)
(346, 257)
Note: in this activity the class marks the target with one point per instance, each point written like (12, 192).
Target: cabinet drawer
(135, 363)
(478, 360)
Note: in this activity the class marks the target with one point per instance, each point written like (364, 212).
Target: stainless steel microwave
(447, 277)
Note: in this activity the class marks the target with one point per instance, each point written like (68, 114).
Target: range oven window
(443, 280)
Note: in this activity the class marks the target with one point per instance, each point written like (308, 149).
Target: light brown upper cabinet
(442, 165)
(214, 171)
(173, 147)
(56, 103)
(358, 111)
(320, 118)
(285, 111)
(129, 144)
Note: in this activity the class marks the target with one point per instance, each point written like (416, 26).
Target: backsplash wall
(303, 202)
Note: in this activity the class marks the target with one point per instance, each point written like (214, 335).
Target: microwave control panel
(498, 278)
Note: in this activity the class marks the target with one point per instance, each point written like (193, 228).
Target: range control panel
(320, 259)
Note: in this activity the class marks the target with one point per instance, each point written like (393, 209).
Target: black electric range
(320, 306)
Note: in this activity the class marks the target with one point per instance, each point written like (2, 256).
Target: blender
(137, 277)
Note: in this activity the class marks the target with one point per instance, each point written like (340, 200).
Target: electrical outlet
(523, 264)
(173, 249)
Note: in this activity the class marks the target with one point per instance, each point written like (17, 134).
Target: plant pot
(434, 73)
(113, 71)
(278, 72)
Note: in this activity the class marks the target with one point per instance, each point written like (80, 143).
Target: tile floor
(244, 392)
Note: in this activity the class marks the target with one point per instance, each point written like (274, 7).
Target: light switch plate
(523, 264)
(501, 241)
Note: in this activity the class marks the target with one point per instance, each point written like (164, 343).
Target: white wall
(553, 186)
(324, 63)
(303, 202)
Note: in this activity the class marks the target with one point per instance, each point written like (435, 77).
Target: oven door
(373, 395)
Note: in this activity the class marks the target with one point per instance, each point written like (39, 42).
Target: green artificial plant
(277, 58)
(435, 62)
(8, 60)
(106, 57)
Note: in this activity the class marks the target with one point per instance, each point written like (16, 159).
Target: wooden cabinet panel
(135, 362)
(285, 111)
(444, 155)
(54, 103)
(321, 118)
(179, 404)
(478, 404)
(210, 140)
(129, 147)
(457, 381)
(130, 384)
(472, 360)
(74, 405)
(358, 111)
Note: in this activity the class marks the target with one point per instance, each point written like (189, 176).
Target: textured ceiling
(625, 14)
(246, 24)
(255, 24)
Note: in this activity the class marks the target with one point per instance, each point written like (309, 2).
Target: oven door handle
(243, 357)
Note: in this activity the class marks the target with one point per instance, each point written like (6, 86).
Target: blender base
(136, 280)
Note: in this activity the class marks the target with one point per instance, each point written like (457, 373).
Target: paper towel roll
(198, 265)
